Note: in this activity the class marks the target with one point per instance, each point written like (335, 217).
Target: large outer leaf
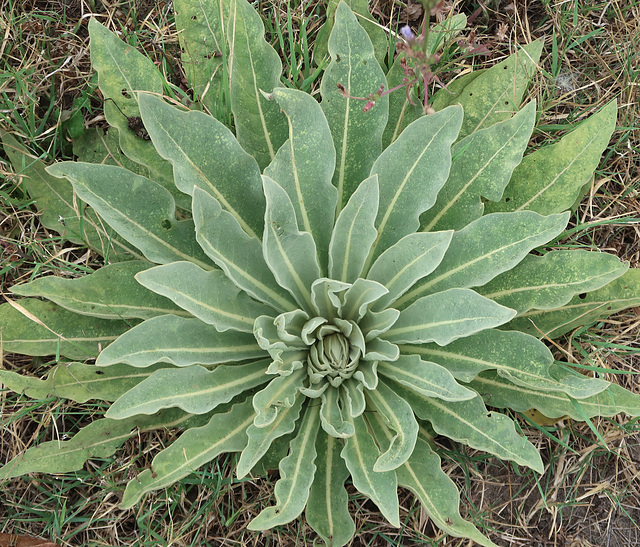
(503, 394)
(430, 379)
(487, 247)
(327, 509)
(304, 167)
(517, 356)
(360, 453)
(469, 422)
(584, 309)
(225, 432)
(296, 476)
(398, 416)
(290, 253)
(446, 316)
(208, 156)
(110, 293)
(496, 94)
(357, 135)
(181, 342)
(78, 382)
(193, 389)
(99, 439)
(481, 168)
(34, 327)
(261, 438)
(140, 210)
(550, 281)
(122, 73)
(60, 210)
(208, 295)
(236, 253)
(550, 179)
(354, 232)
(201, 27)
(254, 66)
(409, 260)
(410, 174)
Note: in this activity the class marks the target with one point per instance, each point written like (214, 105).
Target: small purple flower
(407, 33)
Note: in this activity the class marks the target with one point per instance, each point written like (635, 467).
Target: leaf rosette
(305, 298)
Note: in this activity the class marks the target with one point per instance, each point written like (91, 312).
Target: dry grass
(589, 495)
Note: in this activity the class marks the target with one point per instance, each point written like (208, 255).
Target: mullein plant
(323, 289)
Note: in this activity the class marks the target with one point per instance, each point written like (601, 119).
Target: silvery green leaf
(550, 281)
(194, 389)
(296, 476)
(327, 509)
(446, 316)
(181, 342)
(357, 135)
(487, 247)
(281, 392)
(331, 415)
(482, 166)
(235, 252)
(406, 262)
(471, 423)
(375, 323)
(550, 180)
(360, 453)
(208, 295)
(273, 335)
(261, 438)
(367, 373)
(381, 350)
(411, 172)
(352, 396)
(398, 416)
(290, 254)
(140, 210)
(254, 67)
(207, 156)
(359, 297)
(425, 377)
(516, 356)
(225, 432)
(354, 232)
(94, 294)
(304, 167)
(326, 297)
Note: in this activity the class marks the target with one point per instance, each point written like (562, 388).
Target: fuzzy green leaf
(398, 416)
(34, 327)
(360, 453)
(327, 509)
(427, 378)
(516, 356)
(550, 180)
(550, 281)
(140, 210)
(584, 309)
(331, 415)
(409, 260)
(110, 293)
(482, 166)
(290, 253)
(411, 172)
(496, 94)
(357, 135)
(236, 253)
(207, 156)
(446, 316)
(487, 247)
(254, 67)
(304, 167)
(354, 232)
(181, 342)
(208, 295)
(281, 392)
(226, 432)
(296, 476)
(469, 422)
